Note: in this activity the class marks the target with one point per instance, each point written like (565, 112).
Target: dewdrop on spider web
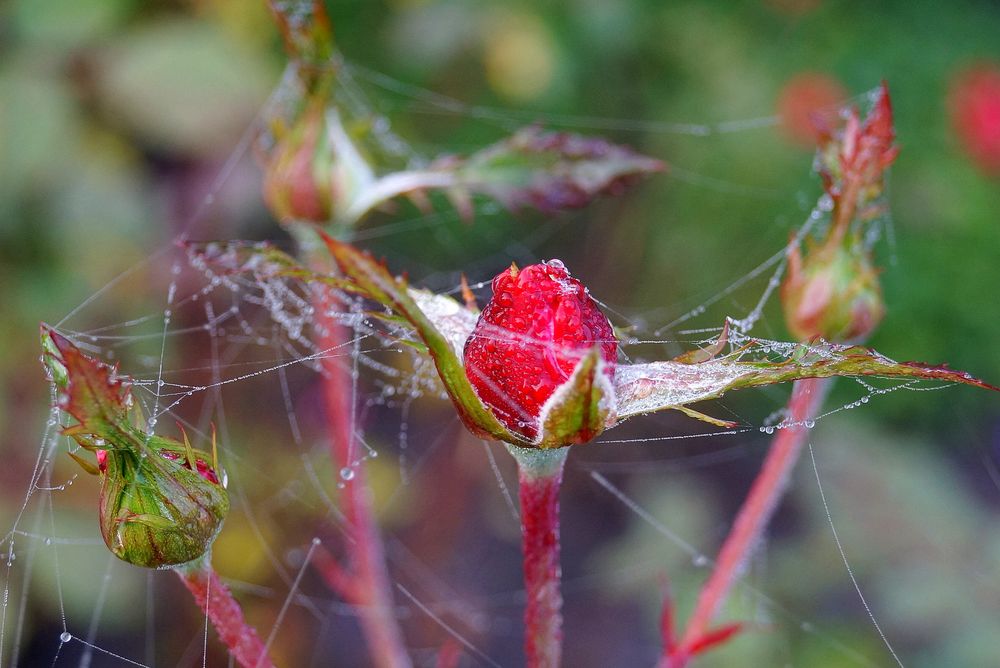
(577, 389)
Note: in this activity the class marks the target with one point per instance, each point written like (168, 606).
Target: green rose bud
(314, 172)
(162, 506)
(833, 294)
(162, 502)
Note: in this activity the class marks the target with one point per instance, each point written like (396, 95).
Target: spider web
(235, 351)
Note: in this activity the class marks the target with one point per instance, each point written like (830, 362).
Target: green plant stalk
(369, 590)
(217, 602)
(754, 516)
(540, 474)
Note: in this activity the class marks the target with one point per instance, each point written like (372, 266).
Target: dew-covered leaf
(548, 171)
(709, 352)
(656, 386)
(374, 282)
(89, 390)
(454, 320)
(237, 257)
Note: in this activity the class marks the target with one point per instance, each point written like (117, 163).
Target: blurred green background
(116, 118)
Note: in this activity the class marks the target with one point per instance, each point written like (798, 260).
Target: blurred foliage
(116, 116)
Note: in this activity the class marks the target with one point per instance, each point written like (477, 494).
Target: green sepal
(154, 511)
(579, 410)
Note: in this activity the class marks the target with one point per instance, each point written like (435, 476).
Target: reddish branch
(540, 476)
(215, 599)
(368, 577)
(748, 529)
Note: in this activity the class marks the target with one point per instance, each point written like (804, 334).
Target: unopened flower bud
(297, 181)
(315, 172)
(529, 340)
(162, 506)
(833, 294)
(162, 501)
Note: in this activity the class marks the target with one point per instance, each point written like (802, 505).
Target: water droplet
(768, 430)
(864, 400)
(347, 473)
(810, 424)
(65, 636)
(48, 541)
(700, 561)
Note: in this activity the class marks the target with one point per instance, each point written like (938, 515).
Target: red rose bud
(833, 294)
(974, 99)
(534, 333)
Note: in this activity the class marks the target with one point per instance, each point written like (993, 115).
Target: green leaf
(90, 391)
(657, 386)
(549, 171)
(578, 411)
(376, 283)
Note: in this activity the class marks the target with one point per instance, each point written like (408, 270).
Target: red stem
(215, 599)
(370, 586)
(754, 515)
(540, 476)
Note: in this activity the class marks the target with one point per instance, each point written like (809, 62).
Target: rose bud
(314, 171)
(162, 502)
(834, 294)
(163, 506)
(529, 341)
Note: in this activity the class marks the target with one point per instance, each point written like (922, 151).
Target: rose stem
(754, 515)
(370, 592)
(540, 475)
(215, 599)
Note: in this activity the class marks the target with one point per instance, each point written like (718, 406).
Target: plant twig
(540, 475)
(367, 569)
(215, 599)
(753, 518)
